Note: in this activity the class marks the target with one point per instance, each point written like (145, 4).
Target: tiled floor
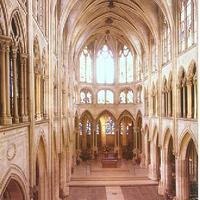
(114, 193)
(141, 193)
(87, 193)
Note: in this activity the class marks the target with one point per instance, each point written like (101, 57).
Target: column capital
(14, 51)
(189, 82)
(3, 46)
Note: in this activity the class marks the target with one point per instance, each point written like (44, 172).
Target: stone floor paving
(87, 193)
(115, 193)
(147, 192)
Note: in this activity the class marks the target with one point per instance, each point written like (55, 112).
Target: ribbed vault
(129, 21)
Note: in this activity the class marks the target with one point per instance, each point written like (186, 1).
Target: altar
(109, 160)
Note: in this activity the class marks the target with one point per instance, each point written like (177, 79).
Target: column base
(16, 120)
(152, 173)
(38, 116)
(6, 120)
(64, 192)
(161, 189)
(189, 116)
(24, 118)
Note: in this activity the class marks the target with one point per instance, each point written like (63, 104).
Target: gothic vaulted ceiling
(130, 21)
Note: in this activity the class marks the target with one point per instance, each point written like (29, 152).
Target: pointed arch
(126, 113)
(166, 138)
(138, 117)
(16, 29)
(106, 112)
(170, 78)
(192, 70)
(185, 139)
(4, 20)
(87, 114)
(15, 174)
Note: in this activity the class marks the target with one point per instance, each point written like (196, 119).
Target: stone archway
(147, 147)
(192, 171)
(154, 167)
(171, 166)
(13, 191)
(41, 173)
(187, 169)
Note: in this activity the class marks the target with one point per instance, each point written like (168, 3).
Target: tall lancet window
(85, 66)
(105, 66)
(166, 42)
(125, 66)
(186, 24)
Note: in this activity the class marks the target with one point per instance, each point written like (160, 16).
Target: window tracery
(166, 42)
(105, 66)
(125, 66)
(186, 24)
(126, 96)
(85, 66)
(85, 97)
(105, 97)
(109, 126)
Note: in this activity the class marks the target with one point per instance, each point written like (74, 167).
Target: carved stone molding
(11, 151)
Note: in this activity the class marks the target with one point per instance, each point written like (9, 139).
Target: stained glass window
(105, 66)
(98, 128)
(166, 42)
(126, 96)
(186, 24)
(109, 126)
(105, 97)
(85, 66)
(85, 97)
(125, 66)
(88, 127)
(81, 128)
(130, 96)
(122, 97)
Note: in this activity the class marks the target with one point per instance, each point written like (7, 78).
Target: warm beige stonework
(40, 107)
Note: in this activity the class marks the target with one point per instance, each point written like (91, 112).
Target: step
(113, 183)
(108, 178)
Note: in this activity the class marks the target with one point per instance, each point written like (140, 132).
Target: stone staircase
(127, 175)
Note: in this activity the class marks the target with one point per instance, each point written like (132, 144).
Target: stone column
(84, 137)
(14, 60)
(26, 83)
(124, 134)
(136, 137)
(152, 167)
(9, 118)
(36, 96)
(163, 103)
(195, 97)
(78, 138)
(166, 102)
(3, 84)
(39, 95)
(179, 100)
(189, 99)
(184, 97)
(169, 103)
(21, 92)
(182, 190)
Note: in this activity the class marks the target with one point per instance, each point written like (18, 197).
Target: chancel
(98, 99)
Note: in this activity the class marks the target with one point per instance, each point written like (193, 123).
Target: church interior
(98, 100)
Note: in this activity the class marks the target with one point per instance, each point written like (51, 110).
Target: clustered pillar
(13, 81)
